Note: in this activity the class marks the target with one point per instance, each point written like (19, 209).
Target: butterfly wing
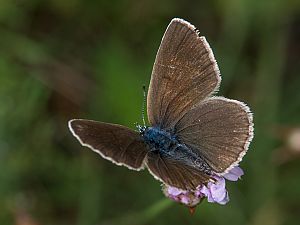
(116, 143)
(174, 173)
(184, 73)
(219, 129)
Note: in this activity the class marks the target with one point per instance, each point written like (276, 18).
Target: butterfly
(193, 135)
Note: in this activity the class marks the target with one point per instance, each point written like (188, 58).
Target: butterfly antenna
(143, 106)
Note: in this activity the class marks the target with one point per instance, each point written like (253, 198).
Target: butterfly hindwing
(116, 143)
(174, 173)
(219, 129)
(184, 73)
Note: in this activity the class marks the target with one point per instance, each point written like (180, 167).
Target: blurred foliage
(63, 59)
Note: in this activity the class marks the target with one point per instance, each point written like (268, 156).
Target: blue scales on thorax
(166, 144)
(160, 140)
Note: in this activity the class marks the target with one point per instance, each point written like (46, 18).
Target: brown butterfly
(192, 134)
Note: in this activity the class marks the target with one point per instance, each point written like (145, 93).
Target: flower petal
(218, 190)
(206, 192)
(185, 199)
(174, 191)
(225, 200)
(234, 174)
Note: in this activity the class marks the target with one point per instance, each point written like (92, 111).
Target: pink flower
(215, 192)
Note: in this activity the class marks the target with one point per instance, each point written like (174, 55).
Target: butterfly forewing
(184, 73)
(219, 129)
(175, 173)
(117, 143)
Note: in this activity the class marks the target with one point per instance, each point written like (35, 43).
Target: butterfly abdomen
(166, 144)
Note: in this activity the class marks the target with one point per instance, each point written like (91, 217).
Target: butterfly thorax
(166, 144)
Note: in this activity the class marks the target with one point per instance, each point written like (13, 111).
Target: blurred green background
(63, 59)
